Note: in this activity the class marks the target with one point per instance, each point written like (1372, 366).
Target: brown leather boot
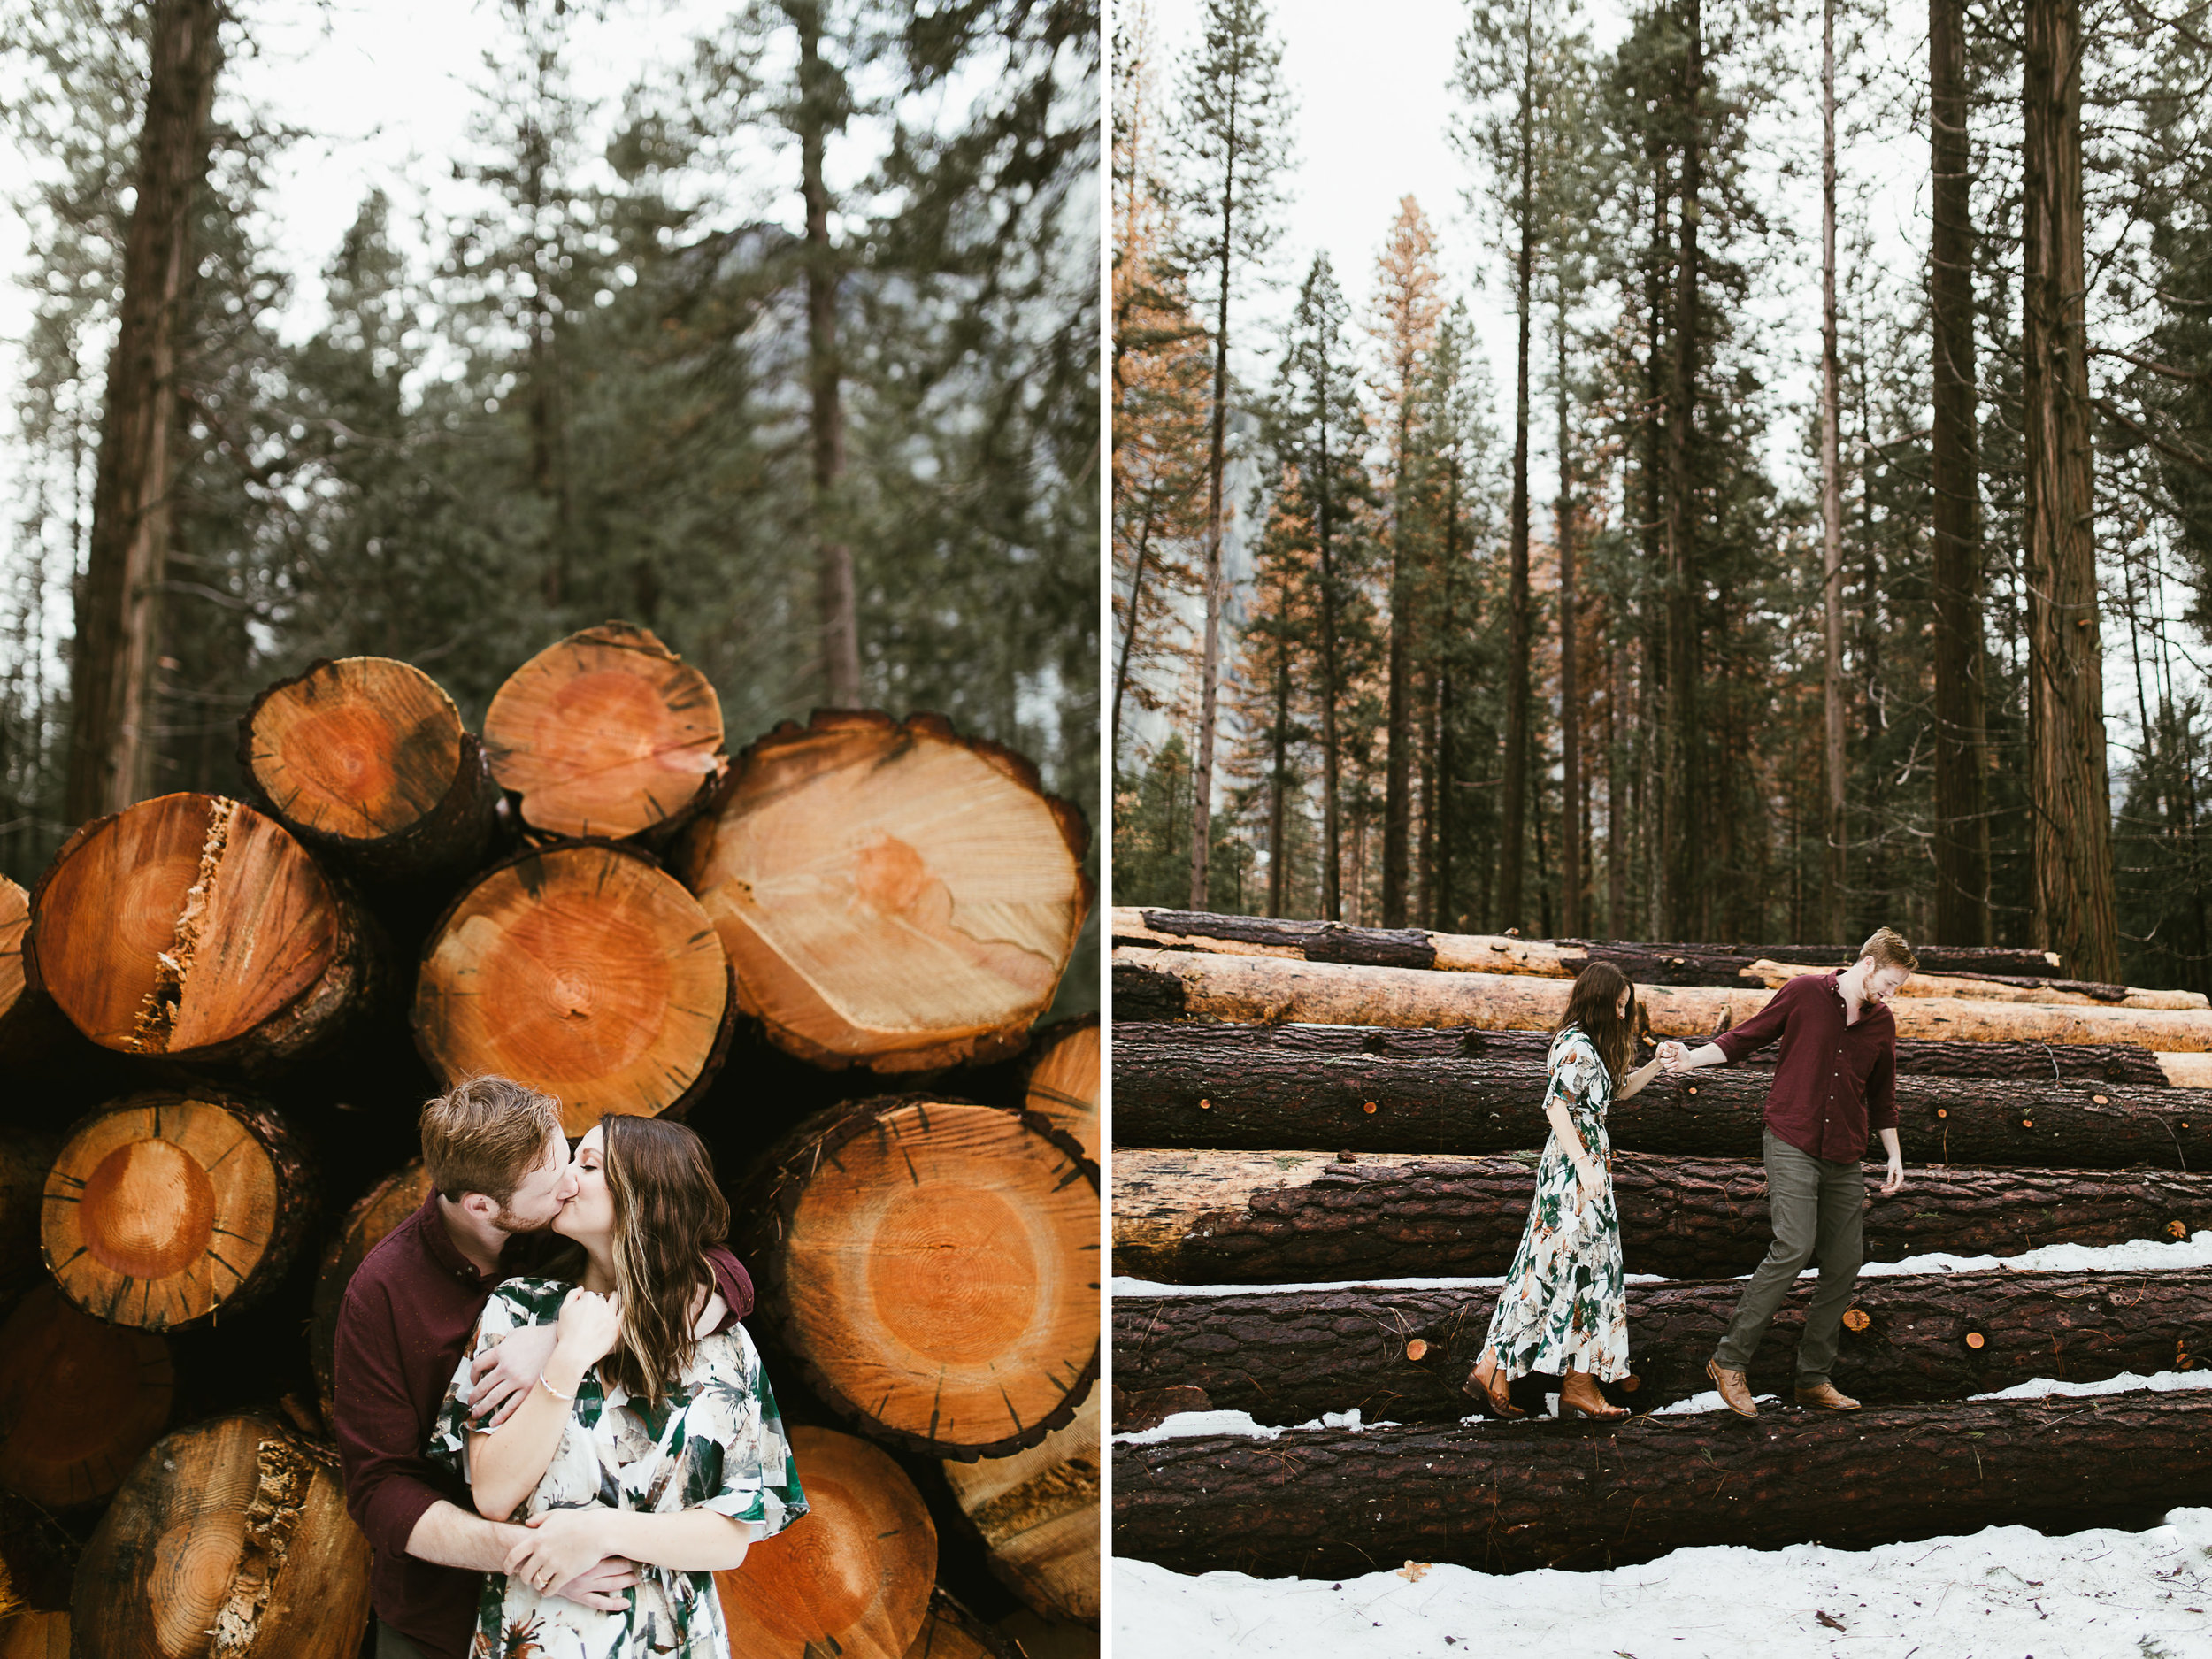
(1735, 1390)
(1825, 1398)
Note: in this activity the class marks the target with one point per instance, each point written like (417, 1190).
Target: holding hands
(1673, 1054)
(562, 1545)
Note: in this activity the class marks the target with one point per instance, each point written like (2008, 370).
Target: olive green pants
(1816, 1207)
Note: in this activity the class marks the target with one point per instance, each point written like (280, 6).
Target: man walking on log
(499, 1173)
(1835, 1078)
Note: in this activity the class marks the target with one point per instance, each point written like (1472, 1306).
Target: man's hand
(502, 1378)
(1896, 1181)
(603, 1587)
(562, 1545)
(1672, 1054)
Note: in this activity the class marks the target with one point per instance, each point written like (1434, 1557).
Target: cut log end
(607, 734)
(358, 749)
(851, 1577)
(1037, 1513)
(890, 894)
(585, 969)
(1063, 1081)
(15, 926)
(949, 1631)
(80, 1400)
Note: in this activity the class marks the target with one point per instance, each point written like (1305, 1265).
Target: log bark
(1062, 1080)
(80, 1400)
(365, 759)
(852, 1575)
(930, 1267)
(195, 927)
(1327, 1087)
(390, 1202)
(951, 1631)
(1037, 1512)
(1515, 1497)
(164, 1209)
(1549, 958)
(1399, 1353)
(1263, 990)
(1263, 1218)
(891, 895)
(230, 1538)
(1989, 988)
(606, 734)
(585, 969)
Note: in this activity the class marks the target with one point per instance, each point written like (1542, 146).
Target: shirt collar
(439, 1243)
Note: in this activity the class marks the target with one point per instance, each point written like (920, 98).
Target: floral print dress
(715, 1441)
(1565, 1307)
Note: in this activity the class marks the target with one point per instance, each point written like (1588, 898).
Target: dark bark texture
(1509, 1497)
(1328, 1088)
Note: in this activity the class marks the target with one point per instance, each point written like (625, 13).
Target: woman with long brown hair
(1563, 1307)
(644, 1439)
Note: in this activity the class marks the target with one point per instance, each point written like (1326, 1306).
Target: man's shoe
(1826, 1399)
(1735, 1391)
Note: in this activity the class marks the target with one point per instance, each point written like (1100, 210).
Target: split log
(1266, 990)
(1333, 1086)
(1253, 1218)
(390, 1202)
(1062, 1081)
(164, 1209)
(80, 1400)
(608, 733)
(930, 1267)
(1396, 1353)
(585, 969)
(1557, 958)
(1037, 1512)
(949, 1631)
(891, 893)
(851, 1577)
(1513, 1496)
(34, 1636)
(193, 927)
(229, 1538)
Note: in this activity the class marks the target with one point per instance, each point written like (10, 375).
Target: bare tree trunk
(1398, 755)
(1332, 766)
(1279, 778)
(1616, 830)
(1129, 638)
(1834, 923)
(2070, 788)
(1962, 830)
(1216, 460)
(1683, 774)
(1447, 745)
(114, 660)
(835, 597)
(1570, 689)
(1515, 791)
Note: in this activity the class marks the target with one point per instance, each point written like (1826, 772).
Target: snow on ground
(2005, 1592)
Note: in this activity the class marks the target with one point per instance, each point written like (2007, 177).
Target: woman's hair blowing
(1597, 989)
(668, 1213)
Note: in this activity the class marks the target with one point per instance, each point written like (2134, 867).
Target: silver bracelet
(557, 1393)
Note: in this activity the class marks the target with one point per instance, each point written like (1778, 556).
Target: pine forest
(1826, 545)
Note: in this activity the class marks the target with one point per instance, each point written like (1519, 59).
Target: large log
(164, 1209)
(1988, 988)
(193, 927)
(607, 734)
(231, 1539)
(585, 969)
(1513, 1496)
(38, 1556)
(80, 1400)
(383, 1207)
(1261, 1218)
(1269, 990)
(949, 1631)
(890, 894)
(1037, 1513)
(1398, 1353)
(365, 758)
(930, 1267)
(1061, 1079)
(1563, 958)
(852, 1575)
(1334, 1088)
(28, 1635)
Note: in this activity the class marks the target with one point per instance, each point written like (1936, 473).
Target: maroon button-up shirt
(1833, 1083)
(408, 1315)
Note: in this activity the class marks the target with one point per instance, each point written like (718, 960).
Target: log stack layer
(221, 1015)
(1302, 1105)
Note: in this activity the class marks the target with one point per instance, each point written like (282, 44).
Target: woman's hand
(590, 1325)
(562, 1543)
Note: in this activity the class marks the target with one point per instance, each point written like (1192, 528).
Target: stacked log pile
(1355, 1116)
(220, 1014)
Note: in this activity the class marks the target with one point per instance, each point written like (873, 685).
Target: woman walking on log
(1564, 1307)
(644, 1439)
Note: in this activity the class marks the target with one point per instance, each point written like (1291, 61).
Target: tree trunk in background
(1833, 923)
(1398, 753)
(820, 99)
(1683, 777)
(1278, 777)
(1514, 790)
(113, 659)
(2069, 786)
(1961, 828)
(1202, 767)
(1446, 747)
(1570, 689)
(1332, 820)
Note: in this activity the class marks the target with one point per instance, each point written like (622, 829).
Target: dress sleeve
(511, 1307)
(1576, 1073)
(759, 1482)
